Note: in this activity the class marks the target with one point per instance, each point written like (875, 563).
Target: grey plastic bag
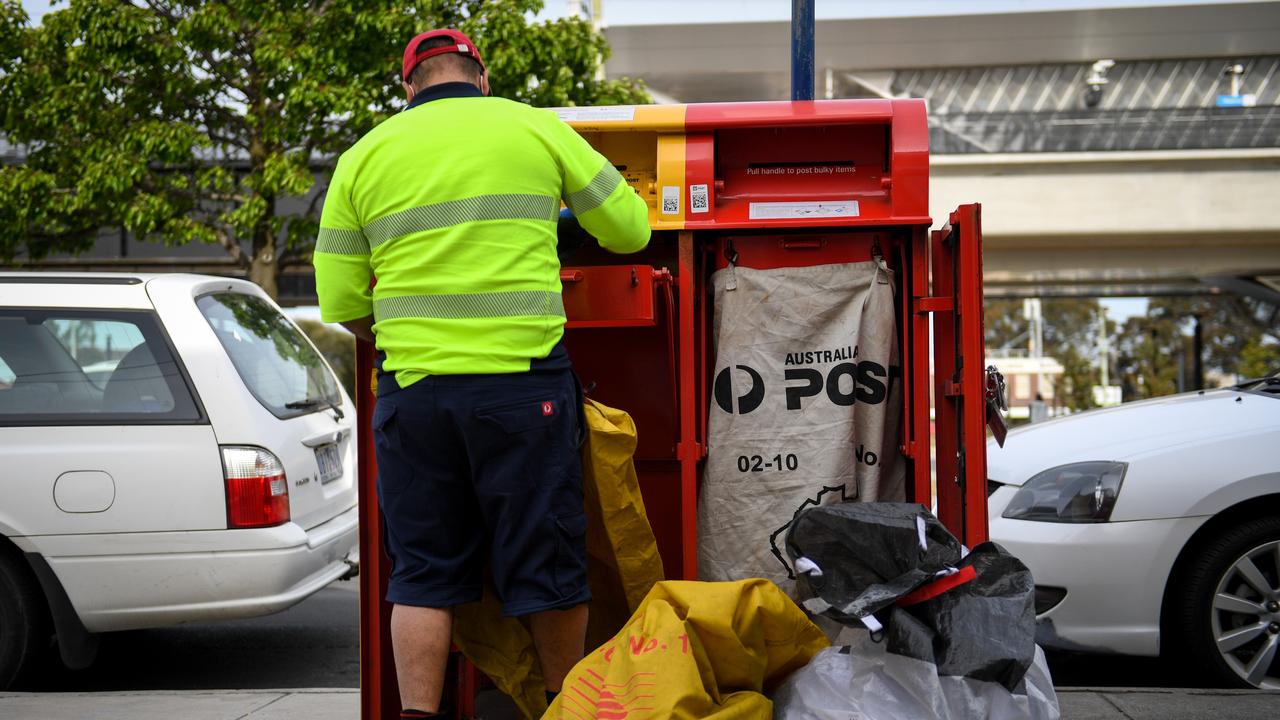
(862, 561)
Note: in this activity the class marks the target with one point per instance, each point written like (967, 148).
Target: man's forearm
(361, 327)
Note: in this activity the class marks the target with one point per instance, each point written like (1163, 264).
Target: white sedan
(1153, 527)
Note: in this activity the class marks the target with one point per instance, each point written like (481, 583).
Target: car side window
(96, 345)
(70, 367)
(6, 375)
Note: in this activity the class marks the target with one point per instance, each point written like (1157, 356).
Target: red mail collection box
(766, 185)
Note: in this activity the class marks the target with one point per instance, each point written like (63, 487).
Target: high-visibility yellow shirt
(452, 205)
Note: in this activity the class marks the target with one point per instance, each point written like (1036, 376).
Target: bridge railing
(1105, 130)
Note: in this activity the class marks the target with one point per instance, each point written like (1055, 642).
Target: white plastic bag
(864, 682)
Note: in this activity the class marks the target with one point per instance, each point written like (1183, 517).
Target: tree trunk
(264, 270)
(264, 267)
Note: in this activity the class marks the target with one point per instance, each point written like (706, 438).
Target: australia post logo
(741, 388)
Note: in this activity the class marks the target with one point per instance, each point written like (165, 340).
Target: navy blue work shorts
(483, 471)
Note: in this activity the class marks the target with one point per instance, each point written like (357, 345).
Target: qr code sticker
(671, 200)
(698, 199)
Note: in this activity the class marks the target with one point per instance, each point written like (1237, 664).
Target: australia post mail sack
(805, 406)
(693, 651)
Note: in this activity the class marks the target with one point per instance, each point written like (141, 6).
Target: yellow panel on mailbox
(646, 144)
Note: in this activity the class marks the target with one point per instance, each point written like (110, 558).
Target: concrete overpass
(706, 62)
(1095, 223)
(1095, 196)
(1121, 223)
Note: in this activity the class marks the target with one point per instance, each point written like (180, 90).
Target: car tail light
(257, 492)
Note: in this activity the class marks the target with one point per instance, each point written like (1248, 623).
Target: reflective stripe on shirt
(596, 192)
(471, 305)
(457, 212)
(342, 242)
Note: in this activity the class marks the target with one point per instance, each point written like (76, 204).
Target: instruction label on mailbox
(810, 209)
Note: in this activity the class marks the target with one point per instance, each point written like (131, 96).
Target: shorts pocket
(519, 416)
(394, 473)
(571, 553)
(383, 415)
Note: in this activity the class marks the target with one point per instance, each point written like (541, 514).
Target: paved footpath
(339, 704)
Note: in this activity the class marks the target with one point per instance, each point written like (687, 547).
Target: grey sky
(657, 12)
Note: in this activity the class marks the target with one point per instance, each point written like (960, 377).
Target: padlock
(997, 399)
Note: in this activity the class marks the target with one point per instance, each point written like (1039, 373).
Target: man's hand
(361, 327)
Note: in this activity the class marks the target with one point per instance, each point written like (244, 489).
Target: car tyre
(24, 623)
(1228, 613)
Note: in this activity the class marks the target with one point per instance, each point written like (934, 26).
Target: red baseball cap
(462, 45)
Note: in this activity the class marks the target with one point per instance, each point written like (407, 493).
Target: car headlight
(1082, 492)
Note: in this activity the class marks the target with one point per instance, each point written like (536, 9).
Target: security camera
(1094, 82)
(1234, 73)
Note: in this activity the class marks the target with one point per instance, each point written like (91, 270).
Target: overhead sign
(1235, 101)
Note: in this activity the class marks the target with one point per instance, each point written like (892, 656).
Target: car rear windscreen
(278, 365)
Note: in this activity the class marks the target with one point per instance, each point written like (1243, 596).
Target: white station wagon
(172, 449)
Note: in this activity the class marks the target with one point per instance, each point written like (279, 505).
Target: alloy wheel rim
(1246, 616)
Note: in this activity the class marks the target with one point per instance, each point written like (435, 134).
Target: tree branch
(215, 110)
(232, 247)
(320, 193)
(227, 140)
(166, 11)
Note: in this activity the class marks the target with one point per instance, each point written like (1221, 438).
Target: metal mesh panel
(1144, 105)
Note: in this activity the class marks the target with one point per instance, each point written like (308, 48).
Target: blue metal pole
(802, 49)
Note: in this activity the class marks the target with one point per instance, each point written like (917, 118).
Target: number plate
(330, 462)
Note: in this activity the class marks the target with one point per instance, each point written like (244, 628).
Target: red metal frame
(916, 424)
(379, 693)
(959, 379)
(691, 449)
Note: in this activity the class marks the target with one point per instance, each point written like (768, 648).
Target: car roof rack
(69, 280)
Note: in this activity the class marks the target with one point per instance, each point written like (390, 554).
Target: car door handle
(325, 438)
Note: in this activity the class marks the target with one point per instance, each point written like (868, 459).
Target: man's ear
(408, 91)
(484, 82)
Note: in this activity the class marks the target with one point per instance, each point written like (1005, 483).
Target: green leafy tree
(1070, 337)
(1229, 324)
(12, 22)
(1258, 359)
(190, 121)
(1004, 323)
(1147, 356)
(1240, 337)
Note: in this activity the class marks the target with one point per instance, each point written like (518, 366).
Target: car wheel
(23, 620)
(1230, 612)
